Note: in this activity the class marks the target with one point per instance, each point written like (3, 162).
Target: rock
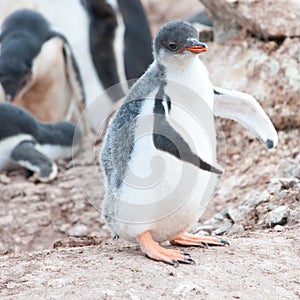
(203, 233)
(133, 294)
(278, 228)
(78, 230)
(203, 228)
(183, 289)
(253, 199)
(4, 179)
(219, 217)
(268, 71)
(278, 216)
(266, 19)
(236, 229)
(11, 284)
(77, 242)
(64, 228)
(274, 186)
(224, 228)
(232, 213)
(289, 168)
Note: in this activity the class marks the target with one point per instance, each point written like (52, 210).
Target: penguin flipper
(26, 155)
(246, 110)
(166, 138)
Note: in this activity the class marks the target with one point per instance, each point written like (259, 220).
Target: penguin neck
(192, 74)
(177, 64)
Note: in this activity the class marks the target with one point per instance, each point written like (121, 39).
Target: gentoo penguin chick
(33, 145)
(159, 152)
(37, 68)
(120, 42)
(159, 179)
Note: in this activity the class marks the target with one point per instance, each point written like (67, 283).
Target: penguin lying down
(159, 153)
(33, 145)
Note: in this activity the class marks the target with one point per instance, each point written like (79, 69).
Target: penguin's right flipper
(26, 155)
(245, 109)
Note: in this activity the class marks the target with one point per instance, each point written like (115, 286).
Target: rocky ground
(54, 243)
(66, 214)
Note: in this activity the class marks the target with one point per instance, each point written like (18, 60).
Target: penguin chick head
(177, 41)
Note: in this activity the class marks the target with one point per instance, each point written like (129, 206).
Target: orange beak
(197, 49)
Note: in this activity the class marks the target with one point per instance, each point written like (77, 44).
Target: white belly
(6, 147)
(55, 152)
(160, 192)
(167, 200)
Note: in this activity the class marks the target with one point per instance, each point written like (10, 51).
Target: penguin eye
(172, 46)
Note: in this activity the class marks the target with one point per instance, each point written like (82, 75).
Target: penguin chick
(159, 152)
(37, 68)
(33, 145)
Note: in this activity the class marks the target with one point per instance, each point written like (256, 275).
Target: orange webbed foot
(154, 251)
(187, 239)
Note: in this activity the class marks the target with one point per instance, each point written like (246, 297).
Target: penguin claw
(187, 239)
(204, 244)
(174, 263)
(156, 252)
(224, 241)
(188, 261)
(185, 253)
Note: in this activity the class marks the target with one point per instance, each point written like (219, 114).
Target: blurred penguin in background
(38, 70)
(120, 41)
(121, 50)
(27, 143)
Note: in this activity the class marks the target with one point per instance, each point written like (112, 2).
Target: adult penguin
(38, 70)
(28, 143)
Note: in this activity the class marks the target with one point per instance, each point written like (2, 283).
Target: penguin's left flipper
(26, 155)
(245, 109)
(187, 239)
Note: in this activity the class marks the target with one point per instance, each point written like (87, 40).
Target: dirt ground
(259, 266)
(260, 263)
(54, 243)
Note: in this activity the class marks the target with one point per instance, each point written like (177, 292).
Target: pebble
(289, 168)
(224, 228)
(4, 179)
(202, 233)
(278, 228)
(219, 217)
(203, 228)
(11, 284)
(274, 186)
(236, 229)
(78, 230)
(183, 289)
(232, 213)
(278, 216)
